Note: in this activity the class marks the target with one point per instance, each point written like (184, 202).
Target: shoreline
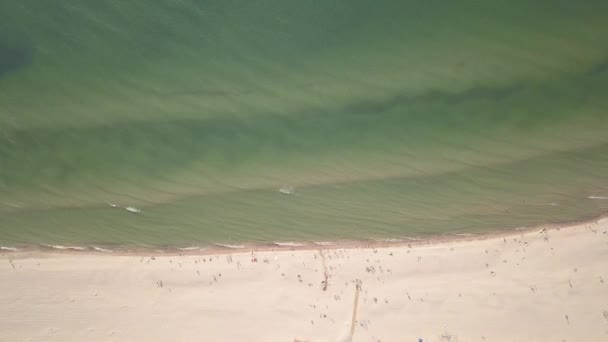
(536, 284)
(224, 248)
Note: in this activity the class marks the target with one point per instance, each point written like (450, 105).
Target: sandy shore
(537, 285)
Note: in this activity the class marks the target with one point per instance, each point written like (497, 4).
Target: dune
(545, 284)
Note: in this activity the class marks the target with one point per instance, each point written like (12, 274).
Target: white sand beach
(537, 285)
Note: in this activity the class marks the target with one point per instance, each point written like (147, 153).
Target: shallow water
(261, 121)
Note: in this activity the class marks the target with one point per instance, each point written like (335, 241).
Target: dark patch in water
(435, 96)
(13, 58)
(599, 68)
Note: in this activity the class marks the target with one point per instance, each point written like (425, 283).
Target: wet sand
(537, 284)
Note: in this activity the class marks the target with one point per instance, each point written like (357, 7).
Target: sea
(191, 123)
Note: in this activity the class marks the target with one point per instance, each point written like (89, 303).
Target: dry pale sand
(536, 286)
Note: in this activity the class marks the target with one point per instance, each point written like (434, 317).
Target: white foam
(133, 210)
(552, 204)
(104, 250)
(77, 248)
(289, 244)
(412, 239)
(287, 190)
(229, 246)
(598, 197)
(113, 205)
(390, 240)
(323, 243)
(12, 249)
(190, 248)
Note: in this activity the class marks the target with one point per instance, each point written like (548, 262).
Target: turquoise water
(383, 120)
